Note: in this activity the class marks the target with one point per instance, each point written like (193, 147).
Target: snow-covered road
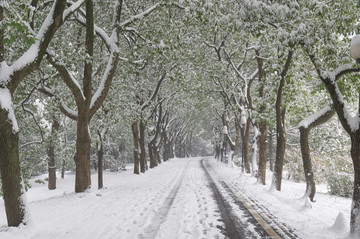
(181, 198)
(170, 201)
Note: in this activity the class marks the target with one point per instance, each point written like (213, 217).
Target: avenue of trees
(92, 84)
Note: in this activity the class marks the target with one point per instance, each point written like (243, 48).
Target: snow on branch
(31, 54)
(72, 114)
(33, 117)
(74, 7)
(329, 78)
(68, 78)
(100, 33)
(311, 120)
(156, 90)
(109, 71)
(139, 16)
(7, 105)
(31, 59)
(234, 67)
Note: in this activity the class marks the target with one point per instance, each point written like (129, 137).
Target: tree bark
(11, 172)
(157, 154)
(153, 162)
(355, 207)
(305, 152)
(271, 158)
(51, 156)
(262, 152)
(166, 146)
(280, 149)
(135, 131)
(262, 123)
(143, 160)
(63, 169)
(246, 146)
(82, 155)
(100, 154)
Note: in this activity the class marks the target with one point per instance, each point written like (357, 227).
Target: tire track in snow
(283, 230)
(232, 230)
(264, 222)
(160, 217)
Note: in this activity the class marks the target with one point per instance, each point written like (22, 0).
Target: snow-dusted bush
(293, 165)
(339, 176)
(340, 184)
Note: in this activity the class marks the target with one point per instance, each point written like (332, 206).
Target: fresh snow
(72, 8)
(355, 47)
(6, 104)
(132, 206)
(172, 200)
(312, 118)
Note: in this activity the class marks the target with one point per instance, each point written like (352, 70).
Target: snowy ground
(309, 220)
(173, 200)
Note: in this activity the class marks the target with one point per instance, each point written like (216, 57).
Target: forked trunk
(10, 172)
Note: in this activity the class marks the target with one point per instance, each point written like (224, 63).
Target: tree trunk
(262, 123)
(143, 160)
(262, 152)
(153, 162)
(280, 126)
(157, 155)
(82, 155)
(280, 149)
(63, 169)
(100, 165)
(305, 152)
(165, 147)
(189, 152)
(217, 151)
(246, 146)
(135, 131)
(254, 149)
(51, 155)
(271, 158)
(172, 149)
(10, 172)
(305, 126)
(355, 208)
